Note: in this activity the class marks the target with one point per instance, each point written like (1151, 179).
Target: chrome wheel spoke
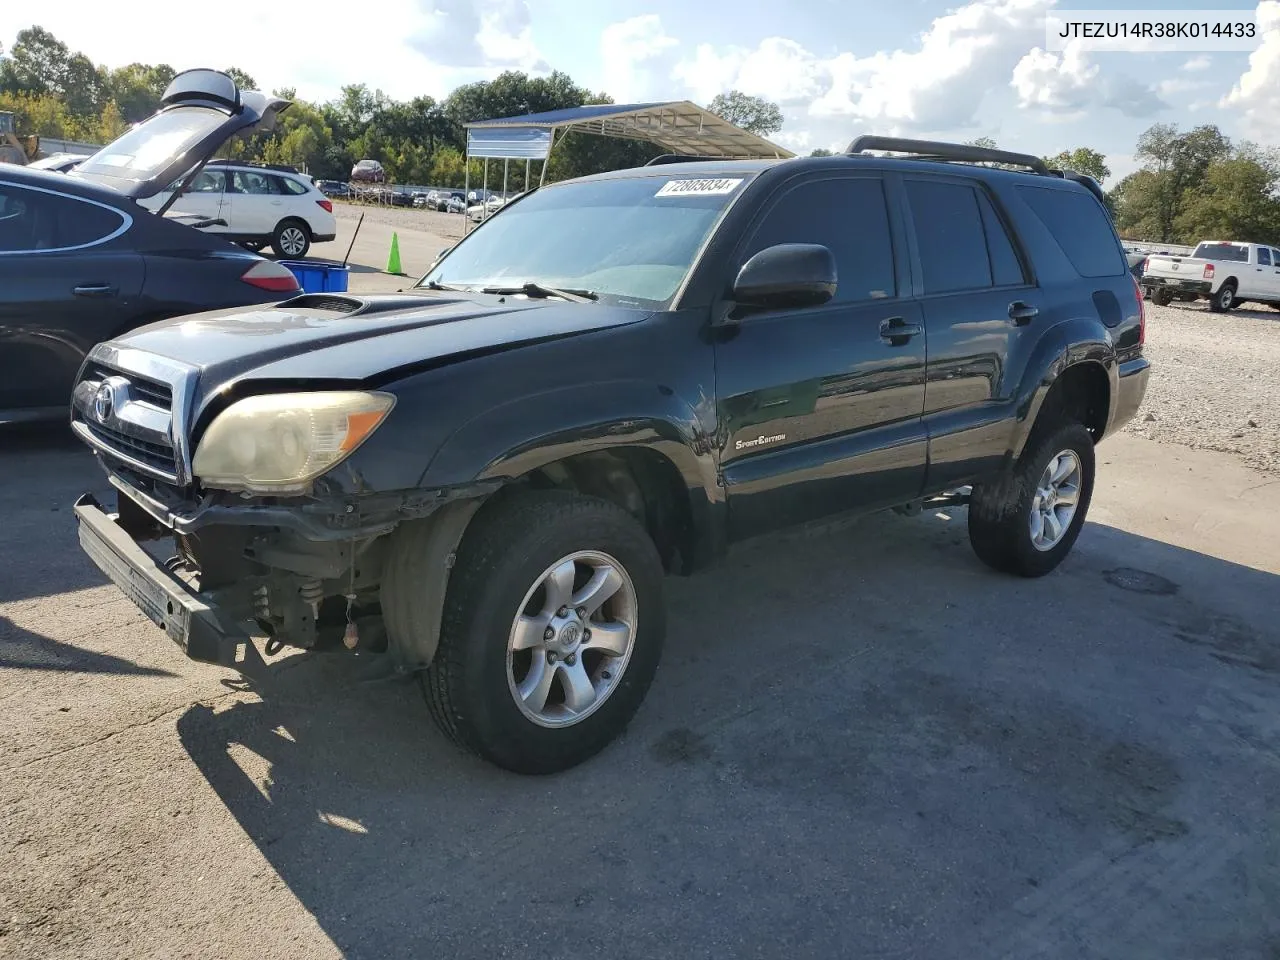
(1037, 525)
(579, 694)
(1053, 526)
(528, 633)
(1063, 468)
(560, 585)
(611, 639)
(604, 583)
(536, 686)
(1068, 496)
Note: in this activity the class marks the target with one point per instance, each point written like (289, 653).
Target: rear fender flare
(1071, 342)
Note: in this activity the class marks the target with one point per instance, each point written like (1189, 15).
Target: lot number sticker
(699, 188)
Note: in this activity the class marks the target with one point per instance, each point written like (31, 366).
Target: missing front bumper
(202, 631)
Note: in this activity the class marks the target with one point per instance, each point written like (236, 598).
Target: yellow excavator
(15, 149)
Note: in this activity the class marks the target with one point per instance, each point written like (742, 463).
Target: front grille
(154, 392)
(156, 455)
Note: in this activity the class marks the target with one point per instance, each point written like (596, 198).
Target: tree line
(58, 93)
(1191, 184)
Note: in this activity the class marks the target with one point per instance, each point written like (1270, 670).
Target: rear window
(1080, 226)
(1222, 251)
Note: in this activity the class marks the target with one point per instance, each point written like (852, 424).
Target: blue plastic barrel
(318, 276)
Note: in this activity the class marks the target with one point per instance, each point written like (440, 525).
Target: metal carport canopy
(678, 126)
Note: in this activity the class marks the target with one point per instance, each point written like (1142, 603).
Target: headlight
(279, 443)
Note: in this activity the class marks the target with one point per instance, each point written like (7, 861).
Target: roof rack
(937, 150)
(225, 162)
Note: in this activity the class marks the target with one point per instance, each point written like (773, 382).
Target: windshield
(152, 145)
(627, 240)
(1222, 251)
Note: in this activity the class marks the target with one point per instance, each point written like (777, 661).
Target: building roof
(678, 126)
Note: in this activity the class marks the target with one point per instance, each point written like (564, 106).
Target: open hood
(199, 112)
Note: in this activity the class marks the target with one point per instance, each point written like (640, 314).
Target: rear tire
(1224, 299)
(291, 239)
(483, 684)
(1003, 528)
(1162, 298)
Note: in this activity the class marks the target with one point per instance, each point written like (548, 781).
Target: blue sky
(949, 70)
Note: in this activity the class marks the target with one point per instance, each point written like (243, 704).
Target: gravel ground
(447, 225)
(1215, 381)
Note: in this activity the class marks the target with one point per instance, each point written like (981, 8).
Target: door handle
(897, 331)
(94, 290)
(1022, 313)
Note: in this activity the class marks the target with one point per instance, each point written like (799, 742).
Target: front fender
(1070, 342)
(519, 436)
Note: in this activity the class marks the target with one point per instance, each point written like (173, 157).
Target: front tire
(1224, 299)
(291, 239)
(552, 630)
(1026, 520)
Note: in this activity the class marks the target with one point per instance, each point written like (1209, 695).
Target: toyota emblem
(104, 403)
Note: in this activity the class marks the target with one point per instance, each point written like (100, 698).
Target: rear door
(820, 407)
(978, 303)
(1264, 276)
(70, 279)
(257, 205)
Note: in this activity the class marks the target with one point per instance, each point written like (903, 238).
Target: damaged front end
(302, 567)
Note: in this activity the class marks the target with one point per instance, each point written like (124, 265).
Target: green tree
(1081, 160)
(820, 152)
(242, 79)
(753, 114)
(1180, 162)
(138, 87)
(1237, 201)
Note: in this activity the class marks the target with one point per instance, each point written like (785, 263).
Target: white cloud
(627, 49)
(1052, 81)
(779, 69)
(409, 47)
(1196, 64)
(1254, 94)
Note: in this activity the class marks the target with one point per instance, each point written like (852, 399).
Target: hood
(351, 338)
(199, 112)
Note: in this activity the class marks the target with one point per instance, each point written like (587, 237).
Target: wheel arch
(1073, 370)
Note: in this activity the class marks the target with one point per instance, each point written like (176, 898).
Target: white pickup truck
(1221, 271)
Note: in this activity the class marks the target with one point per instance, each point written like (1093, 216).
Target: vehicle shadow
(43, 470)
(861, 742)
(23, 650)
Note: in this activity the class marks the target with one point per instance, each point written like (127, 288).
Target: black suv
(488, 475)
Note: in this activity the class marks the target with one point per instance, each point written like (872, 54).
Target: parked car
(261, 205)
(424, 199)
(57, 162)
(456, 203)
(333, 188)
(1227, 273)
(616, 379)
(81, 262)
(368, 171)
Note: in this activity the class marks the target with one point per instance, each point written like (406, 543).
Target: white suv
(261, 205)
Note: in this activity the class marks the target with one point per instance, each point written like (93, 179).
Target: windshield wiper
(437, 285)
(532, 289)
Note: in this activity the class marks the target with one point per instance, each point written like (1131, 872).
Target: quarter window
(847, 215)
(35, 220)
(289, 185)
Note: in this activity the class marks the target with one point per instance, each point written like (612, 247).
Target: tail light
(325, 205)
(1146, 264)
(1142, 313)
(1208, 271)
(268, 275)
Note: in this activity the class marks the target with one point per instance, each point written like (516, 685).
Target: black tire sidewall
(1072, 437)
(1217, 302)
(498, 729)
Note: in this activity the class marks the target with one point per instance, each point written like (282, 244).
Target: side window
(950, 235)
(850, 216)
(1264, 256)
(248, 181)
(1081, 228)
(288, 185)
(32, 221)
(1006, 268)
(1275, 257)
(209, 181)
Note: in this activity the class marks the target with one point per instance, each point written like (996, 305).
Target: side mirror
(787, 275)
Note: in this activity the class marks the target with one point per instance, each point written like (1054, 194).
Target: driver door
(820, 408)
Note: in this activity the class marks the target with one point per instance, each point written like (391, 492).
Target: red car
(368, 171)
